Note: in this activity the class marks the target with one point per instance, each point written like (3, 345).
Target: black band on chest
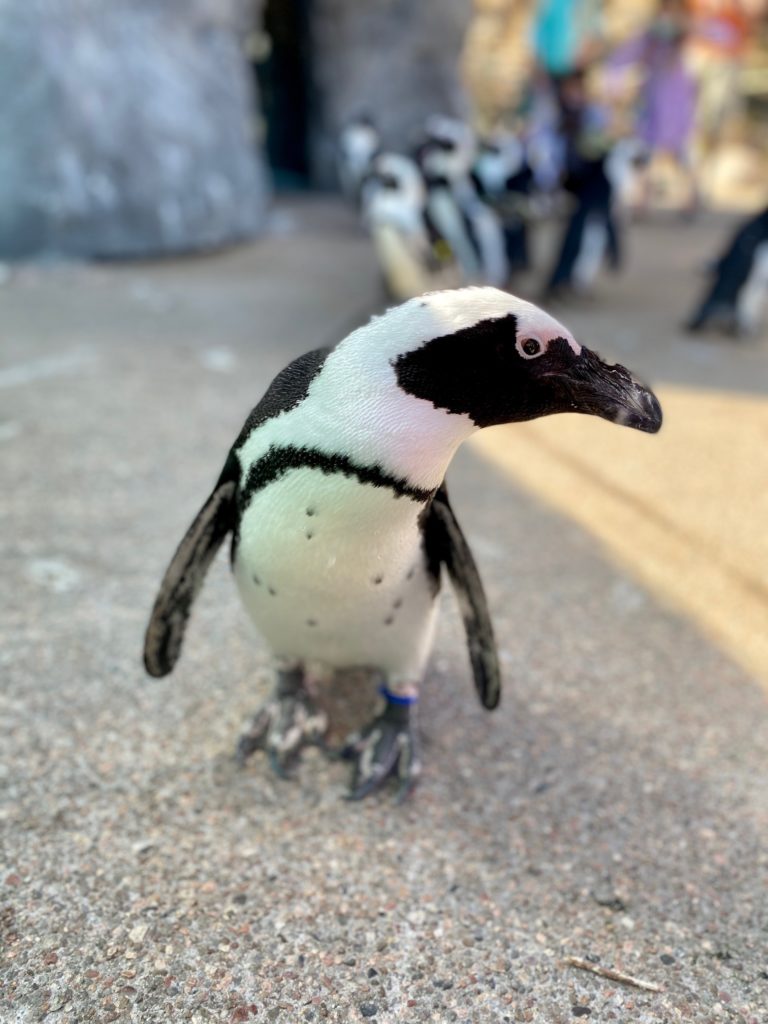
(279, 461)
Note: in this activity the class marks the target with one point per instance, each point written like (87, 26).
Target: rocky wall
(126, 128)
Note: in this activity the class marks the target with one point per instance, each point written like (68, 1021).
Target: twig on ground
(609, 972)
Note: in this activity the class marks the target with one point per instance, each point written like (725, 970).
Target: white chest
(333, 570)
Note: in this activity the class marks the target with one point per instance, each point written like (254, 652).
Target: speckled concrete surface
(614, 808)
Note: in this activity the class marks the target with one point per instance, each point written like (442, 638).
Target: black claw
(255, 738)
(280, 767)
(388, 746)
(283, 727)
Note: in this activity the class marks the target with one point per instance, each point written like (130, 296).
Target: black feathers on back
(289, 387)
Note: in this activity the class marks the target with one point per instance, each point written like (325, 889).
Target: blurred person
(667, 102)
(566, 34)
(592, 235)
(736, 297)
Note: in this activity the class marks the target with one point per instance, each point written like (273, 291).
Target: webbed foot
(287, 722)
(388, 746)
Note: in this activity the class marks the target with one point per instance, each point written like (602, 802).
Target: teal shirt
(560, 28)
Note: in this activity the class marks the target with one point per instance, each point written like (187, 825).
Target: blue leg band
(396, 698)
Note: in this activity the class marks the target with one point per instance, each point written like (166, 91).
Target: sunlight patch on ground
(685, 511)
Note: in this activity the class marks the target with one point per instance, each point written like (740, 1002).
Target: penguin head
(449, 149)
(397, 175)
(500, 156)
(485, 354)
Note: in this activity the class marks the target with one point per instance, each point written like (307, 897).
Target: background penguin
(335, 498)
(469, 226)
(358, 144)
(504, 179)
(737, 295)
(395, 213)
(592, 234)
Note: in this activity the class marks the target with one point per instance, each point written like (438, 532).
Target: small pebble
(369, 1009)
(581, 1011)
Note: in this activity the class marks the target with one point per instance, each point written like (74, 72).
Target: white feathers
(344, 586)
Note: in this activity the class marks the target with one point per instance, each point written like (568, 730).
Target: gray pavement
(614, 808)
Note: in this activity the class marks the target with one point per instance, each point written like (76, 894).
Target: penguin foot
(388, 746)
(287, 723)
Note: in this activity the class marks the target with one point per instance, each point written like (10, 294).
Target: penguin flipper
(184, 577)
(454, 552)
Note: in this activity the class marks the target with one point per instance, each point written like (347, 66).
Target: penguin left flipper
(446, 542)
(185, 575)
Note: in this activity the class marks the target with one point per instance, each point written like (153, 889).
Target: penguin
(334, 494)
(592, 233)
(406, 245)
(358, 144)
(504, 180)
(469, 226)
(737, 295)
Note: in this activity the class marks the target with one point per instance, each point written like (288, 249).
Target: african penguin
(460, 216)
(358, 144)
(334, 493)
(504, 179)
(394, 211)
(737, 295)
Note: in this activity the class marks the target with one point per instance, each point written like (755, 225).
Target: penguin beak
(594, 387)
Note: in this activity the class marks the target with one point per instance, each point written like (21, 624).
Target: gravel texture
(614, 807)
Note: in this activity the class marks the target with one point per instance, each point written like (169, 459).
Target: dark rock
(581, 1011)
(369, 1009)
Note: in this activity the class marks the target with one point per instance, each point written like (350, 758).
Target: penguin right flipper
(446, 540)
(184, 576)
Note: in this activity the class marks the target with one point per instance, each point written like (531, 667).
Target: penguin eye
(529, 348)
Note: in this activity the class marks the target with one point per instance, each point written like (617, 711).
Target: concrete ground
(613, 809)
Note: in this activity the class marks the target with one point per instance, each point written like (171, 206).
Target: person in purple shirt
(667, 106)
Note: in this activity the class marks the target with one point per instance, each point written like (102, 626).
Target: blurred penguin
(736, 298)
(358, 144)
(469, 226)
(407, 248)
(504, 179)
